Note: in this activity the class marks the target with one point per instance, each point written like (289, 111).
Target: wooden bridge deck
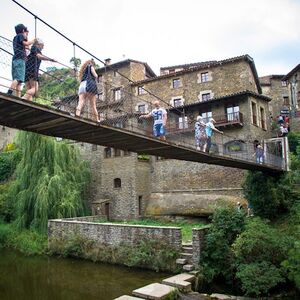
(30, 116)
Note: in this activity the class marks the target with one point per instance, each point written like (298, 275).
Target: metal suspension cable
(89, 53)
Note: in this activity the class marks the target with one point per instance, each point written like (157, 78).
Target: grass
(186, 226)
(29, 242)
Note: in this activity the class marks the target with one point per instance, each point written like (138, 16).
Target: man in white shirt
(159, 115)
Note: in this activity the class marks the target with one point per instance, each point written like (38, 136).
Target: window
(254, 113)
(117, 183)
(140, 205)
(171, 71)
(283, 83)
(286, 101)
(204, 77)
(117, 94)
(107, 152)
(176, 83)
(232, 113)
(183, 122)
(206, 116)
(205, 97)
(234, 146)
(262, 118)
(117, 152)
(177, 102)
(142, 108)
(141, 90)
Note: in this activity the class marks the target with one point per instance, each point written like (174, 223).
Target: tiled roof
(209, 65)
(288, 75)
(229, 96)
(187, 66)
(119, 64)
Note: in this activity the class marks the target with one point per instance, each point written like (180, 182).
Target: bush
(26, 241)
(269, 196)
(259, 251)
(258, 278)
(217, 258)
(292, 263)
(8, 163)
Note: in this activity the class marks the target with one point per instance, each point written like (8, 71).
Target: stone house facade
(274, 87)
(292, 80)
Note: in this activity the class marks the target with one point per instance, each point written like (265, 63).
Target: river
(42, 278)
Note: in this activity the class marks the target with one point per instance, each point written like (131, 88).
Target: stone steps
(181, 281)
(154, 291)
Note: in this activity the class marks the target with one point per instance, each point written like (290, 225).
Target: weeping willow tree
(51, 182)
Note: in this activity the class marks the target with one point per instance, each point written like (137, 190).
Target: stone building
(274, 87)
(126, 185)
(227, 90)
(292, 79)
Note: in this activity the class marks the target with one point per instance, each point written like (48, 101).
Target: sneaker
(9, 92)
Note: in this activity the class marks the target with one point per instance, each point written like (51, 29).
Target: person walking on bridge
(200, 134)
(32, 69)
(210, 128)
(88, 88)
(20, 43)
(159, 115)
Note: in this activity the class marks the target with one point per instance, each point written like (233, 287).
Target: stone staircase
(186, 258)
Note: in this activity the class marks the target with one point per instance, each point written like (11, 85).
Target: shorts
(18, 70)
(82, 87)
(159, 130)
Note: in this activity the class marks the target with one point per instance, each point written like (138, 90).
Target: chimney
(107, 61)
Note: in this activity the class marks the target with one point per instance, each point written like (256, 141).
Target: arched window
(234, 146)
(117, 183)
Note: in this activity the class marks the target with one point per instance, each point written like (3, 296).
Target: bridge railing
(120, 105)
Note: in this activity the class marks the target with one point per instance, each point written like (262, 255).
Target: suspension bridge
(120, 126)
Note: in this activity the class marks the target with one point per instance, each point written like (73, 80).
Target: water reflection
(53, 278)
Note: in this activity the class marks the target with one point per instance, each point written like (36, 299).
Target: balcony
(229, 120)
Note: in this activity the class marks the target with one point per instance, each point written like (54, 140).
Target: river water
(43, 278)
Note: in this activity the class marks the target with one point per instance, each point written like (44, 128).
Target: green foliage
(50, 182)
(146, 254)
(58, 83)
(28, 242)
(259, 251)
(6, 207)
(269, 196)
(8, 162)
(144, 157)
(258, 278)
(76, 62)
(217, 258)
(292, 263)
(294, 141)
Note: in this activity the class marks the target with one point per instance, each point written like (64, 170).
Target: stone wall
(6, 136)
(198, 243)
(113, 234)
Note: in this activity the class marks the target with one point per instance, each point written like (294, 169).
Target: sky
(164, 32)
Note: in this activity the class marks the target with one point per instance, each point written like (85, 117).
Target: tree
(50, 183)
(76, 62)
